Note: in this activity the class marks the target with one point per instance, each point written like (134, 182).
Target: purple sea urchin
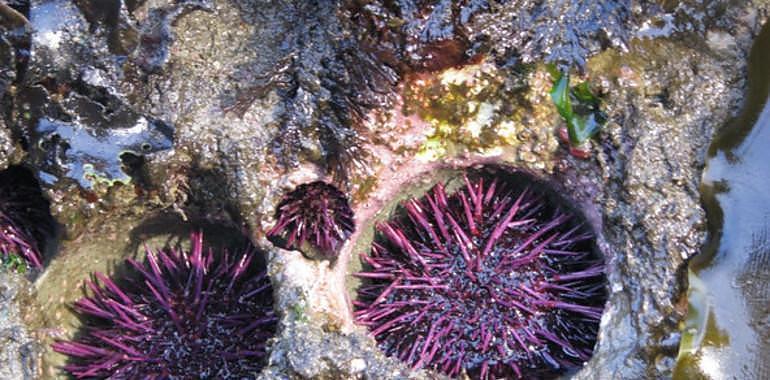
(491, 280)
(24, 217)
(192, 315)
(314, 217)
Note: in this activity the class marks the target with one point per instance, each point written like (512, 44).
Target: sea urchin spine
(24, 217)
(192, 315)
(315, 216)
(492, 281)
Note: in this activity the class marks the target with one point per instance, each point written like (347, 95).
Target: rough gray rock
(7, 147)
(17, 347)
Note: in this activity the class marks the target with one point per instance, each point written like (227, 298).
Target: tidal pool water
(727, 333)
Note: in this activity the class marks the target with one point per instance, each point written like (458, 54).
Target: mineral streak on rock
(196, 314)
(492, 280)
(314, 217)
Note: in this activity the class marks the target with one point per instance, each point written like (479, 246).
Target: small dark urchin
(185, 315)
(314, 217)
(492, 280)
(24, 218)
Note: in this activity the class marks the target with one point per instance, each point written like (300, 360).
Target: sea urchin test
(186, 315)
(493, 280)
(314, 217)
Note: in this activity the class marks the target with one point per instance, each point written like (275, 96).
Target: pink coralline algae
(314, 217)
(494, 280)
(24, 217)
(184, 315)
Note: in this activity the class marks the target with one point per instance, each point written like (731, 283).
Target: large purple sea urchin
(192, 315)
(314, 217)
(24, 217)
(492, 280)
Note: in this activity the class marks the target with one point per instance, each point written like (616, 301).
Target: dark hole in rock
(132, 5)
(192, 300)
(21, 6)
(448, 287)
(27, 228)
(315, 218)
(132, 162)
(134, 166)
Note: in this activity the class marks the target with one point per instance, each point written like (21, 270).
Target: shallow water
(728, 330)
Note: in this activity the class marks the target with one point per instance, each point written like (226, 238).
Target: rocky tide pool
(387, 190)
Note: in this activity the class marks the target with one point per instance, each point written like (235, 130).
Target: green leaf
(560, 96)
(581, 128)
(579, 107)
(582, 92)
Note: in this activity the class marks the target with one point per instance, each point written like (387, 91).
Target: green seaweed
(300, 312)
(579, 107)
(15, 263)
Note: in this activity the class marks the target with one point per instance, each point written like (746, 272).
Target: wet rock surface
(14, 52)
(212, 110)
(18, 350)
(7, 147)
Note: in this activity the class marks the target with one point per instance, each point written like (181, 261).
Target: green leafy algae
(579, 107)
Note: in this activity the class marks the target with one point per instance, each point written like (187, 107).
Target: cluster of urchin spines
(315, 216)
(489, 280)
(24, 217)
(192, 314)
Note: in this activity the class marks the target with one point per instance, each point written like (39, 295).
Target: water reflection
(728, 330)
